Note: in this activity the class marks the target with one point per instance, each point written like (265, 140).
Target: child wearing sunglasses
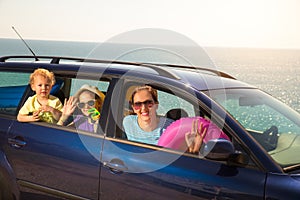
(42, 106)
(89, 100)
(145, 125)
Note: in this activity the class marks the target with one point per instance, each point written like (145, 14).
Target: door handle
(17, 142)
(116, 166)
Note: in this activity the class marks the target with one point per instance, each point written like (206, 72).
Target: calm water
(273, 70)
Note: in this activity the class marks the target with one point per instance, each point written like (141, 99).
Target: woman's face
(87, 101)
(144, 105)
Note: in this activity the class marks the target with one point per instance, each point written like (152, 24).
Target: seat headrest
(176, 113)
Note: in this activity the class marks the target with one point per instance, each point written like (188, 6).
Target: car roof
(197, 77)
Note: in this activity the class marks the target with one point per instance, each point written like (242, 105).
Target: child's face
(42, 86)
(85, 99)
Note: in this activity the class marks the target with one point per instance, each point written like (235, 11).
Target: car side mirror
(218, 149)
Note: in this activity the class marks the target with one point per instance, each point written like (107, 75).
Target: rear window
(12, 87)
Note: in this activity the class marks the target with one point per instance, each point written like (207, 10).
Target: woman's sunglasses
(89, 103)
(147, 103)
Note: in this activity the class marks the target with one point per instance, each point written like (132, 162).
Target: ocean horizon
(276, 71)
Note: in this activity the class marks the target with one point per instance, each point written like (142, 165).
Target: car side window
(12, 87)
(88, 111)
(169, 109)
(169, 102)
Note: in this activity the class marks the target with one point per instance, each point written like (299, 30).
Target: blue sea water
(275, 71)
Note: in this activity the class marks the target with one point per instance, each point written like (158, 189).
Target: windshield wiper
(291, 168)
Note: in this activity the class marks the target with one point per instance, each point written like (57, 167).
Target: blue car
(39, 160)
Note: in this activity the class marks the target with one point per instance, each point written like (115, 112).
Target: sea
(276, 71)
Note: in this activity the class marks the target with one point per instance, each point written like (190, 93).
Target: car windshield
(273, 124)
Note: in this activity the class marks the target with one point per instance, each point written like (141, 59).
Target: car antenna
(36, 59)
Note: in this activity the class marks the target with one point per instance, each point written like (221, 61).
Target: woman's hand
(194, 138)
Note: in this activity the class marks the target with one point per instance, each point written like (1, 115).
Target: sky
(220, 23)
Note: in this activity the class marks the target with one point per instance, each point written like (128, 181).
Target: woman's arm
(194, 138)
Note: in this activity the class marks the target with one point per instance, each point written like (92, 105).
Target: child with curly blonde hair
(42, 106)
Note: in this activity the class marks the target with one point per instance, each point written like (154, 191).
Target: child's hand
(194, 138)
(35, 116)
(94, 114)
(68, 109)
(69, 106)
(46, 108)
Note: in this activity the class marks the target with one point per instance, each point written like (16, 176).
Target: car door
(48, 159)
(135, 170)
(54, 160)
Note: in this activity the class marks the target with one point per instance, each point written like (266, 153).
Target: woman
(89, 100)
(146, 126)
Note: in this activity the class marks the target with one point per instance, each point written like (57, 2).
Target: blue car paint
(280, 186)
(183, 175)
(62, 162)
